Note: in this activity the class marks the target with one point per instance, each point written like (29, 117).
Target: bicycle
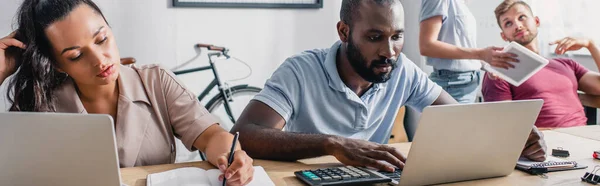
(226, 94)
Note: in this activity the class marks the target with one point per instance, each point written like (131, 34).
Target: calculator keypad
(394, 175)
(340, 175)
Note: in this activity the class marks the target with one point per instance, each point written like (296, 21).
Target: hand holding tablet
(529, 64)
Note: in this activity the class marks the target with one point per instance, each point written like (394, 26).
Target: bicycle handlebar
(202, 45)
(217, 48)
(211, 47)
(223, 50)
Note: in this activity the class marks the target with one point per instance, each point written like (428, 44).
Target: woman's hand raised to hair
(7, 62)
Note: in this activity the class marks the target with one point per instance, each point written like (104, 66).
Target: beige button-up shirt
(153, 107)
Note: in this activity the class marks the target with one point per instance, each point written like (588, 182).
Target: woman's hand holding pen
(241, 170)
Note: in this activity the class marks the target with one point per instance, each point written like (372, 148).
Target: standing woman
(64, 58)
(448, 39)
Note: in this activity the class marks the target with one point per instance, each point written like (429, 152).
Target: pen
(231, 152)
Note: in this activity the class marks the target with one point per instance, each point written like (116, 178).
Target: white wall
(153, 31)
(412, 9)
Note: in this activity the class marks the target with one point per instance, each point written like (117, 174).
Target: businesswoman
(64, 58)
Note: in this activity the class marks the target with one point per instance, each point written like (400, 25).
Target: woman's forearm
(216, 142)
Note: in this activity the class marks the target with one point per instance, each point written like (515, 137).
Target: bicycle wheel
(240, 96)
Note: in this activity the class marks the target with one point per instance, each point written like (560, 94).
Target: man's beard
(527, 40)
(359, 64)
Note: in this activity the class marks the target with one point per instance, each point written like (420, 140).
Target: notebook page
(260, 177)
(188, 176)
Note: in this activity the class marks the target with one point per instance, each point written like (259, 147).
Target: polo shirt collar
(335, 81)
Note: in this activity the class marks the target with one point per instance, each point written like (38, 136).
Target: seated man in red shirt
(557, 83)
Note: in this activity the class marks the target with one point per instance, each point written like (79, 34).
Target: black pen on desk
(231, 152)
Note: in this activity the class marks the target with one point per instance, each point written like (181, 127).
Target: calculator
(395, 176)
(348, 175)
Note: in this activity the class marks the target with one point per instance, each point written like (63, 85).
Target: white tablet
(529, 64)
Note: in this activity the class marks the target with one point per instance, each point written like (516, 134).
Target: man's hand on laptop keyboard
(364, 153)
(535, 148)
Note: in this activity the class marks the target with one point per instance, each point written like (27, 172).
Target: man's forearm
(595, 53)
(267, 143)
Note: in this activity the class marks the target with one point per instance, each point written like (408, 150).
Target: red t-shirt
(556, 84)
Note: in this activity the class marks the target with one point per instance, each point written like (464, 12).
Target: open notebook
(194, 176)
(551, 164)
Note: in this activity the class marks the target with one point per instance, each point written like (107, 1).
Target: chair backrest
(398, 133)
(591, 104)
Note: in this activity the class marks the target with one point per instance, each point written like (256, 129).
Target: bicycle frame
(215, 82)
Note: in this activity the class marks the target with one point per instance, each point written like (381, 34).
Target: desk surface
(282, 173)
(589, 131)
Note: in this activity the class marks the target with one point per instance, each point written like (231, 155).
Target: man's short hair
(506, 5)
(349, 11)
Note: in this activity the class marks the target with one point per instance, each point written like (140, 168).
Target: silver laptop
(469, 141)
(57, 149)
